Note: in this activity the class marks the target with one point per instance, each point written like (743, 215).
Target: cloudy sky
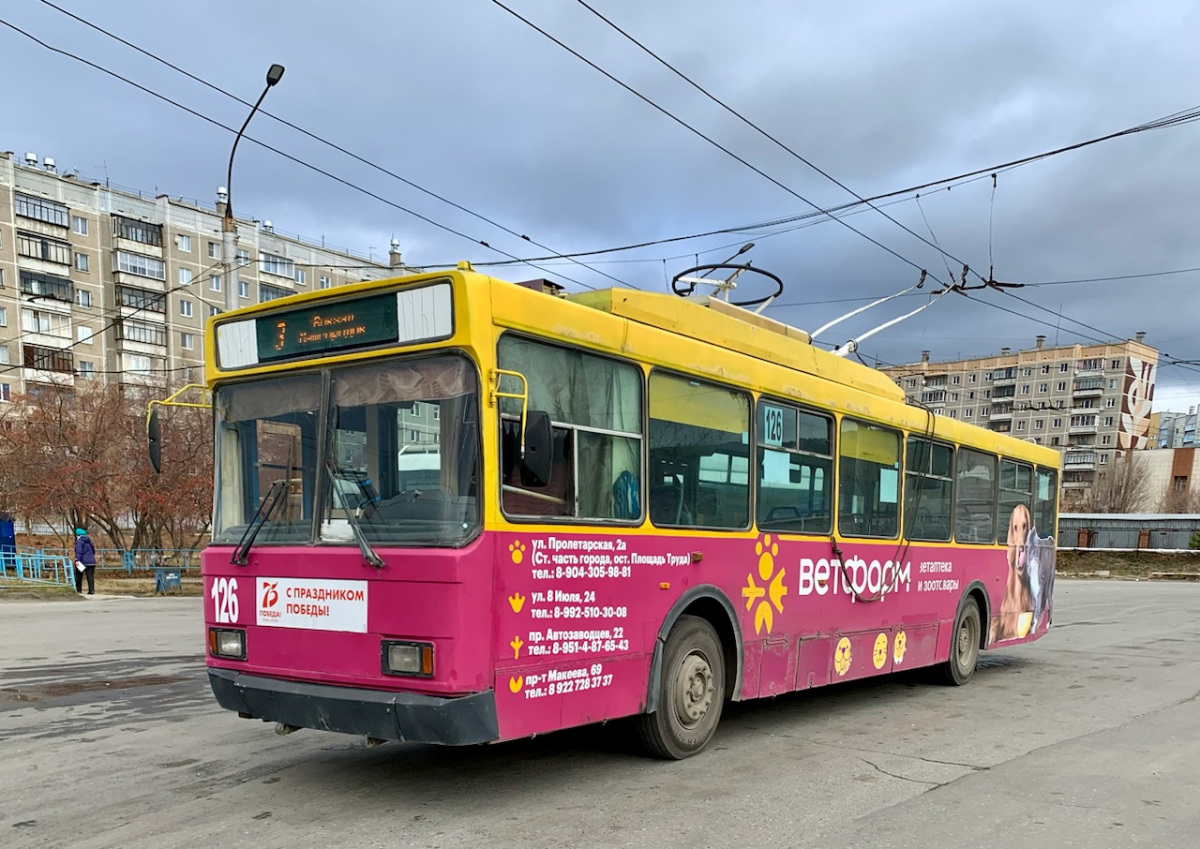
(467, 102)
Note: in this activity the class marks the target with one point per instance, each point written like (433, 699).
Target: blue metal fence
(55, 565)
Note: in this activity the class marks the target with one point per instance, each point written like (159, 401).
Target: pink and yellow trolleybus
(452, 509)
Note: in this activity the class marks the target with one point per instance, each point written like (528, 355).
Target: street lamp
(228, 225)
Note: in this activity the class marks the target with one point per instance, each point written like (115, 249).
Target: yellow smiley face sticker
(899, 646)
(841, 656)
(879, 655)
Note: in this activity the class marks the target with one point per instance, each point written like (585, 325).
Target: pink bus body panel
(563, 625)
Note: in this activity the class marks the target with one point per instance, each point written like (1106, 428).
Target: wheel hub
(693, 689)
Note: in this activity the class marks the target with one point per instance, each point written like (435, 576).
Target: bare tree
(1120, 488)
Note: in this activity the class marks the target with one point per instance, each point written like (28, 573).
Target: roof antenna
(853, 313)
(852, 345)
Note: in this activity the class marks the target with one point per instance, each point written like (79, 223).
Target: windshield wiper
(368, 553)
(265, 508)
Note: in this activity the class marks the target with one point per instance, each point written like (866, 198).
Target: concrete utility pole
(228, 224)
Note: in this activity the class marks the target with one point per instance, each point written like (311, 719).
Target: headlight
(408, 659)
(227, 642)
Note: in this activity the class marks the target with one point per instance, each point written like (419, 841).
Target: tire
(691, 692)
(964, 646)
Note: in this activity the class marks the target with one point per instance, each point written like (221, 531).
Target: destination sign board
(328, 327)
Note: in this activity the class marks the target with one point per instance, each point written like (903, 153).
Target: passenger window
(975, 497)
(795, 470)
(1047, 493)
(927, 491)
(1016, 496)
(595, 409)
(699, 454)
(868, 480)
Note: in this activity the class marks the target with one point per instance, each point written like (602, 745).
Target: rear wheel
(964, 646)
(691, 692)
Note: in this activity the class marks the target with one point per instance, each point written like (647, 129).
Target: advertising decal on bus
(312, 605)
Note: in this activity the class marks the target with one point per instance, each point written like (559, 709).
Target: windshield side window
(595, 410)
(403, 452)
(267, 439)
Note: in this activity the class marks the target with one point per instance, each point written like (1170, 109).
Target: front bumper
(406, 717)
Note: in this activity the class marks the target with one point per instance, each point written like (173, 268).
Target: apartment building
(1175, 430)
(1089, 401)
(101, 283)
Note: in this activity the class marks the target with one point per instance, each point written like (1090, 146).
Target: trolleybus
(453, 509)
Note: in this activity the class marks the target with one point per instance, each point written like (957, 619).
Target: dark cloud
(464, 100)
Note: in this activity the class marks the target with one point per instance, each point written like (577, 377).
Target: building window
(275, 264)
(1116, 364)
(1038, 424)
(243, 289)
(48, 359)
(87, 370)
(973, 378)
(1020, 425)
(185, 243)
(243, 258)
(969, 412)
(46, 323)
(213, 311)
(1103, 457)
(1108, 421)
(1110, 402)
(4, 393)
(1054, 440)
(185, 309)
(137, 363)
(270, 293)
(79, 225)
(3, 355)
(139, 331)
(1062, 386)
(141, 299)
(912, 383)
(1112, 383)
(1063, 368)
(1025, 389)
(40, 209)
(301, 277)
(324, 283)
(141, 265)
(185, 276)
(3, 316)
(138, 231)
(1106, 439)
(39, 247)
(956, 379)
(1057, 423)
(83, 298)
(187, 341)
(81, 263)
(83, 335)
(1026, 372)
(47, 285)
(971, 395)
(1043, 387)
(1046, 368)
(215, 283)
(214, 250)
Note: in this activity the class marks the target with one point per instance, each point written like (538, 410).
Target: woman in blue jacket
(85, 553)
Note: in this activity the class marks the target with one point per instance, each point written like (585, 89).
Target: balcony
(1001, 415)
(1083, 428)
(1079, 461)
(1090, 392)
(1076, 484)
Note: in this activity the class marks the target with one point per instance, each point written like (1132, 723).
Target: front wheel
(964, 646)
(691, 692)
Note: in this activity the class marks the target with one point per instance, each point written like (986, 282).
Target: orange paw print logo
(772, 592)
(879, 655)
(841, 656)
(517, 550)
(899, 646)
(515, 684)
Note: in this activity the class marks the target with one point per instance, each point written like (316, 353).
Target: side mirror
(154, 440)
(539, 449)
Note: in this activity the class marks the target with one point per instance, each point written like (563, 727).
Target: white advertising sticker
(312, 604)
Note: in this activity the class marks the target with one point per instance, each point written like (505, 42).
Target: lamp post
(228, 225)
